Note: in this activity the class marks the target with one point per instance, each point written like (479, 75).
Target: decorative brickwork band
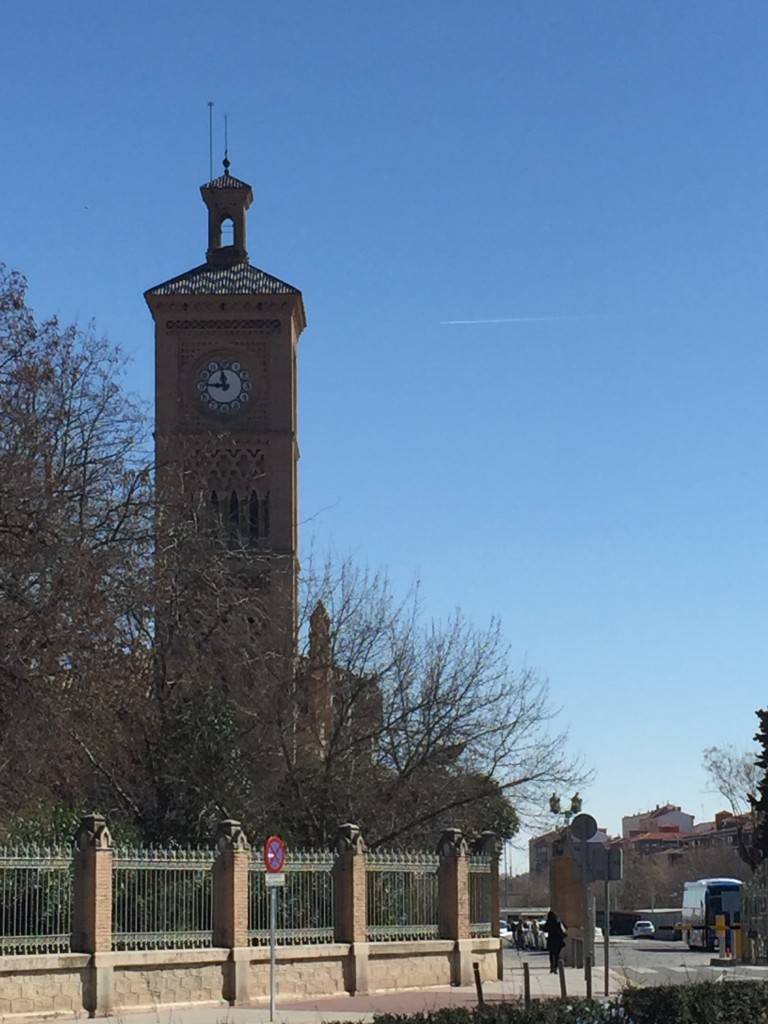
(223, 325)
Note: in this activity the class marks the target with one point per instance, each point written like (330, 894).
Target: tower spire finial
(226, 144)
(210, 139)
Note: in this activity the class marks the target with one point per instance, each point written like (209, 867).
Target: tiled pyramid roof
(226, 181)
(237, 279)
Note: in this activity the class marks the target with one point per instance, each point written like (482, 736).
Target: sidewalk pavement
(361, 1008)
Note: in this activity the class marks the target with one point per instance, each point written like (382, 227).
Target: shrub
(727, 1002)
(707, 1002)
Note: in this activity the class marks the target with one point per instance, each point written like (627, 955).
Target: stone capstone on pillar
(349, 839)
(230, 836)
(93, 832)
(452, 843)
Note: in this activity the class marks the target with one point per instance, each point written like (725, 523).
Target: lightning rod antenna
(210, 139)
(226, 139)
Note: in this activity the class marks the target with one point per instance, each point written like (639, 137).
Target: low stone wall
(47, 983)
(69, 984)
(301, 970)
(487, 953)
(409, 964)
(148, 978)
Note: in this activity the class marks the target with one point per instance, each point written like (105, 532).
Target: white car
(643, 930)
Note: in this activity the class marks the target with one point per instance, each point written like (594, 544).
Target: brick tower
(226, 338)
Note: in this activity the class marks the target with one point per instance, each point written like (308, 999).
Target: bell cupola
(227, 199)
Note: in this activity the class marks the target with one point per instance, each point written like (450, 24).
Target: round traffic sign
(583, 827)
(274, 855)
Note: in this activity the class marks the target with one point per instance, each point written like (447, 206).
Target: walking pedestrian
(519, 934)
(556, 932)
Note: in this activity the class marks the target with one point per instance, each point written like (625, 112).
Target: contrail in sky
(520, 320)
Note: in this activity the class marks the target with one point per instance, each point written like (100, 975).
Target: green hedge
(729, 1002)
(707, 1002)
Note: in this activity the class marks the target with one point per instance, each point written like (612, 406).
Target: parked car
(643, 930)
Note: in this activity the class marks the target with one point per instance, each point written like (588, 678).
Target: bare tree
(136, 647)
(411, 724)
(75, 528)
(657, 879)
(734, 774)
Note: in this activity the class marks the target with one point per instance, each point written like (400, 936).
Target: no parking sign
(274, 862)
(274, 855)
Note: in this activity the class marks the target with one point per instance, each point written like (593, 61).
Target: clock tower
(226, 337)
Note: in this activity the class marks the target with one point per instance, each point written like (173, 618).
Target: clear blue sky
(594, 470)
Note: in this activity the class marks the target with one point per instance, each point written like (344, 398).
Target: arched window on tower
(254, 531)
(234, 520)
(227, 231)
(258, 518)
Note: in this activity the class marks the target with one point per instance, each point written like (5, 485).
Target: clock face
(223, 385)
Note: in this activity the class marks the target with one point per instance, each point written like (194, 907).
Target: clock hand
(223, 382)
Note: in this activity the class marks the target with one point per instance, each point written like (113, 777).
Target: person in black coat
(555, 930)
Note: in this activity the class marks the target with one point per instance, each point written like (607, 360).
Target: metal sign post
(272, 952)
(274, 862)
(606, 937)
(608, 865)
(583, 827)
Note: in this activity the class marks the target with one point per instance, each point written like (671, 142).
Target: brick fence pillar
(453, 899)
(350, 905)
(92, 910)
(231, 871)
(566, 897)
(490, 845)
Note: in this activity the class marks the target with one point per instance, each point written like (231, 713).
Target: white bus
(703, 901)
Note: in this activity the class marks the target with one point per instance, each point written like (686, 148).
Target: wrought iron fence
(35, 900)
(754, 917)
(479, 895)
(305, 904)
(162, 899)
(402, 896)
